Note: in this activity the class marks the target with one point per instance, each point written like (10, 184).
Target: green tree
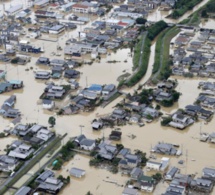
(68, 179)
(141, 20)
(175, 96)
(157, 177)
(166, 121)
(52, 121)
(204, 14)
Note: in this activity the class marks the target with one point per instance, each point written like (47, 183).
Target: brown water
(146, 136)
(208, 23)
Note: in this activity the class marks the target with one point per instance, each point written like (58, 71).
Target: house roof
(80, 6)
(48, 102)
(87, 142)
(24, 190)
(80, 138)
(43, 176)
(136, 171)
(130, 191)
(77, 172)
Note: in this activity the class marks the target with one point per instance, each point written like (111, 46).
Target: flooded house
(24, 190)
(123, 152)
(42, 75)
(54, 92)
(202, 185)
(130, 191)
(208, 173)
(171, 173)
(206, 101)
(115, 135)
(163, 96)
(180, 121)
(107, 151)
(43, 61)
(108, 89)
(181, 180)
(77, 172)
(48, 104)
(165, 148)
(211, 137)
(8, 164)
(50, 185)
(150, 112)
(8, 103)
(22, 151)
(87, 144)
(151, 165)
(118, 114)
(70, 74)
(147, 183)
(44, 134)
(16, 84)
(136, 173)
(97, 125)
(159, 166)
(175, 190)
(21, 130)
(11, 113)
(5, 87)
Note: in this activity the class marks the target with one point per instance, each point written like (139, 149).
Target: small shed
(77, 172)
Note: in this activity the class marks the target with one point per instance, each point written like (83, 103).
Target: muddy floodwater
(196, 154)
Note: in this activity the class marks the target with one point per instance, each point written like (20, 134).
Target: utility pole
(186, 161)
(200, 128)
(81, 126)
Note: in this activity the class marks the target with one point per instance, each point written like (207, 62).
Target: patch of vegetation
(64, 180)
(164, 59)
(155, 29)
(165, 121)
(158, 51)
(182, 6)
(19, 166)
(143, 68)
(2, 134)
(145, 95)
(157, 177)
(141, 21)
(65, 154)
(142, 156)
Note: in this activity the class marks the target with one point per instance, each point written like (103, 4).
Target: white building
(14, 10)
(153, 165)
(56, 29)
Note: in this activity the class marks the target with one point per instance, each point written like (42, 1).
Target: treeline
(209, 8)
(182, 6)
(155, 29)
(143, 68)
(158, 52)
